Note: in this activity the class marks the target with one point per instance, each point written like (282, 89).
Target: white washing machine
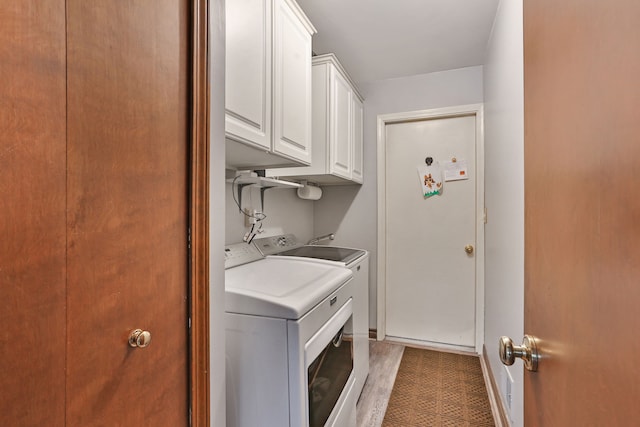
(287, 246)
(289, 358)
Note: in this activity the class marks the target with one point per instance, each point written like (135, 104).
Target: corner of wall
(504, 197)
(216, 220)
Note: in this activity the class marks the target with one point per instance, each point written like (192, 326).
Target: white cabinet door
(357, 140)
(340, 126)
(292, 85)
(248, 71)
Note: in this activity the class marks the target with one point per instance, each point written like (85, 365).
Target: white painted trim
(431, 345)
(330, 58)
(304, 20)
(456, 111)
(497, 405)
(480, 223)
(381, 324)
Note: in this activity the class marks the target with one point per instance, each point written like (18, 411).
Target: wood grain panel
(32, 222)
(582, 220)
(384, 361)
(128, 136)
(199, 219)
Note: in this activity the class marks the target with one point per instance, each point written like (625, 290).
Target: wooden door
(582, 211)
(32, 212)
(94, 169)
(430, 279)
(127, 211)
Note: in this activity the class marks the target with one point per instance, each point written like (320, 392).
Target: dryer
(289, 356)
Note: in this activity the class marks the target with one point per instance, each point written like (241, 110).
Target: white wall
(351, 211)
(504, 194)
(217, 200)
(286, 213)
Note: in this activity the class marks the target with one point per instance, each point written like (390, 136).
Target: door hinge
(189, 322)
(485, 215)
(189, 238)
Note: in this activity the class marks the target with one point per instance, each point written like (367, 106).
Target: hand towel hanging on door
(430, 178)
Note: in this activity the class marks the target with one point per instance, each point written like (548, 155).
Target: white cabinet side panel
(357, 160)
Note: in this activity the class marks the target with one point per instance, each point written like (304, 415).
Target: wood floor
(384, 361)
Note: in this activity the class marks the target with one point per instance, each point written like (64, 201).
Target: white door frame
(448, 112)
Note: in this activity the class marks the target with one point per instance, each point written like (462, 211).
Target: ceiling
(382, 39)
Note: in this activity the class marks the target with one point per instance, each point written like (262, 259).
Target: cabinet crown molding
(330, 58)
(302, 16)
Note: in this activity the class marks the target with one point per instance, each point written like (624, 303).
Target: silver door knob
(139, 338)
(528, 352)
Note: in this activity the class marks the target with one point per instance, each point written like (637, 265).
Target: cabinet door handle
(139, 338)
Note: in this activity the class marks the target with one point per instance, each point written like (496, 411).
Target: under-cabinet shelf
(263, 182)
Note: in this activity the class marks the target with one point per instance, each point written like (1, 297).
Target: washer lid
(280, 288)
(329, 253)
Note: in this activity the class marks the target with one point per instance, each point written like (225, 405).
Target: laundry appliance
(288, 246)
(289, 354)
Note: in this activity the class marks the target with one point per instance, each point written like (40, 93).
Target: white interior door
(430, 278)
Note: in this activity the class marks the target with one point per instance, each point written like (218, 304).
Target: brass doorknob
(468, 249)
(528, 352)
(139, 338)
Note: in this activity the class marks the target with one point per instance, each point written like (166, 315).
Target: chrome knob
(139, 338)
(468, 249)
(528, 352)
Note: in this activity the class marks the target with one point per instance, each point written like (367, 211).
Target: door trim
(439, 113)
(199, 217)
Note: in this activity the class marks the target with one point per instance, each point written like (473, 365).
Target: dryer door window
(327, 376)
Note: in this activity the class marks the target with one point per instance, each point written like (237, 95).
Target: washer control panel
(240, 253)
(276, 244)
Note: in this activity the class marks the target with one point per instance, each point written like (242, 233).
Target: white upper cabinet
(337, 112)
(268, 84)
(248, 71)
(340, 120)
(292, 85)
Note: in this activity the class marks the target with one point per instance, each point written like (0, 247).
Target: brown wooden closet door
(127, 212)
(32, 213)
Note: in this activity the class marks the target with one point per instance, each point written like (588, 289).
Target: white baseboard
(430, 345)
(497, 406)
